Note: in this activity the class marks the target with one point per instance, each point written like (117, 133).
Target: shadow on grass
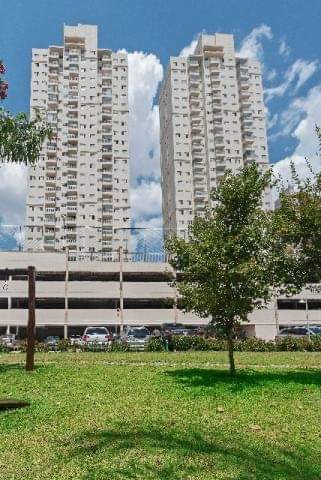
(213, 378)
(8, 367)
(157, 454)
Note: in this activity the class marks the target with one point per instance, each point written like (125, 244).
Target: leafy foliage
(21, 139)
(300, 216)
(3, 83)
(234, 255)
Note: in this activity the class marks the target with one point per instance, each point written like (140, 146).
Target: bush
(63, 345)
(217, 344)
(119, 347)
(155, 344)
(4, 348)
(182, 343)
(292, 344)
(253, 344)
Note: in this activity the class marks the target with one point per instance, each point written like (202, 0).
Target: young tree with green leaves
(299, 214)
(21, 139)
(234, 259)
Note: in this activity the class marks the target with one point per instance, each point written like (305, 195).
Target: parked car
(316, 329)
(170, 329)
(9, 341)
(52, 341)
(75, 339)
(297, 331)
(97, 335)
(136, 337)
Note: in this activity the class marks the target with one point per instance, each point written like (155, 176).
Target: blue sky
(284, 35)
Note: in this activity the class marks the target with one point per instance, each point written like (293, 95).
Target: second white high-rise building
(78, 194)
(212, 118)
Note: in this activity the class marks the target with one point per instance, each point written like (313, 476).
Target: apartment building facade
(212, 118)
(78, 193)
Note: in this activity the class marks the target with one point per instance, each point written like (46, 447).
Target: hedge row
(66, 346)
(186, 343)
(286, 344)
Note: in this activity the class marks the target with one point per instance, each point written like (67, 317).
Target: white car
(97, 335)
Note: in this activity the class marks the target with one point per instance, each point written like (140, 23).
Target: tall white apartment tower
(78, 193)
(212, 118)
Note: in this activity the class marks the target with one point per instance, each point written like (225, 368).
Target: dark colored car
(298, 331)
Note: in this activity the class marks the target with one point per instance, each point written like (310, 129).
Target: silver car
(8, 340)
(136, 337)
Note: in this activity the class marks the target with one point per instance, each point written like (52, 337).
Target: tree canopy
(21, 139)
(234, 259)
(299, 214)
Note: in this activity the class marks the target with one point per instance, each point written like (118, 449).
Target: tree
(21, 139)
(299, 215)
(234, 259)
(3, 83)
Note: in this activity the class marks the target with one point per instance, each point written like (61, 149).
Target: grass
(175, 416)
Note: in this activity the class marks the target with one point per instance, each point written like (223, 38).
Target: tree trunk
(230, 345)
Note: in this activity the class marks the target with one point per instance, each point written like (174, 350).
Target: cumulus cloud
(145, 73)
(251, 46)
(189, 49)
(308, 108)
(147, 236)
(146, 201)
(13, 188)
(295, 77)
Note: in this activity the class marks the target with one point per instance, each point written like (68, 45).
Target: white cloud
(251, 47)
(271, 119)
(145, 72)
(284, 48)
(148, 235)
(308, 108)
(271, 75)
(295, 77)
(146, 201)
(13, 187)
(189, 49)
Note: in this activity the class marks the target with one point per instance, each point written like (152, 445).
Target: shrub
(253, 344)
(4, 348)
(155, 344)
(217, 344)
(119, 347)
(291, 344)
(41, 347)
(63, 345)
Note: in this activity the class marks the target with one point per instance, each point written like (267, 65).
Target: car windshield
(97, 331)
(52, 338)
(138, 332)
(316, 330)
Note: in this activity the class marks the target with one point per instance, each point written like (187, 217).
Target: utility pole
(9, 300)
(31, 318)
(66, 293)
(307, 317)
(175, 301)
(276, 314)
(121, 289)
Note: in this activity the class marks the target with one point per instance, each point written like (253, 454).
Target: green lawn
(162, 416)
